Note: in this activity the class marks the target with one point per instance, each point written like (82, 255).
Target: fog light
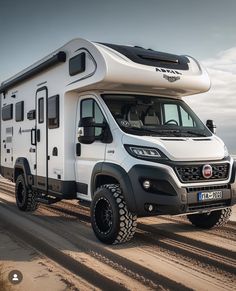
(146, 184)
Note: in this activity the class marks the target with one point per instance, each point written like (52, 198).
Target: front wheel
(213, 219)
(112, 222)
(25, 198)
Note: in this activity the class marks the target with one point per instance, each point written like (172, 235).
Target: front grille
(193, 173)
(208, 205)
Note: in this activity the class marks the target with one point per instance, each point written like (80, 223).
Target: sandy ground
(37, 271)
(233, 216)
(167, 253)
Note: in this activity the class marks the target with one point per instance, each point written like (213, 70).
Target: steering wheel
(123, 123)
(173, 121)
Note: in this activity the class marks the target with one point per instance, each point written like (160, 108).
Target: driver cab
(149, 112)
(139, 114)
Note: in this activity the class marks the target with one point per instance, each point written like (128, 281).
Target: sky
(204, 29)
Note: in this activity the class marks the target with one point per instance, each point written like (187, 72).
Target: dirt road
(167, 253)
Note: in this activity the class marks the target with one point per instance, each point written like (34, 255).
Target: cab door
(88, 155)
(41, 140)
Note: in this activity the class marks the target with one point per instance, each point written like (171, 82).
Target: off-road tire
(112, 222)
(25, 197)
(209, 220)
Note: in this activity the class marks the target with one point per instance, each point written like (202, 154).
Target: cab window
(90, 108)
(171, 114)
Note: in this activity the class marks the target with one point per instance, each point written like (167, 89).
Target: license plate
(206, 196)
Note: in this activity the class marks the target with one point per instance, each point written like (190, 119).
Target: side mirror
(211, 125)
(86, 131)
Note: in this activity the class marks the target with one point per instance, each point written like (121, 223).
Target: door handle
(38, 135)
(33, 137)
(78, 149)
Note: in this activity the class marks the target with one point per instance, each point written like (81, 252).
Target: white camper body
(93, 115)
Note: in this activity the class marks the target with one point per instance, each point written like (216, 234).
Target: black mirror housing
(211, 125)
(86, 132)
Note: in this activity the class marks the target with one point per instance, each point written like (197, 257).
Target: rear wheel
(112, 222)
(25, 198)
(213, 219)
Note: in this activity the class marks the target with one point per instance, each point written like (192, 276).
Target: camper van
(106, 124)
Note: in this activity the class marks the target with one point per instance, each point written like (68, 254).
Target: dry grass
(4, 283)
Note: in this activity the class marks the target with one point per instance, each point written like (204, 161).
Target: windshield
(155, 116)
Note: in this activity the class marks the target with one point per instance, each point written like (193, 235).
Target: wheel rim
(20, 194)
(103, 215)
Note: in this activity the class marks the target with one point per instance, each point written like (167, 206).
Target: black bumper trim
(180, 200)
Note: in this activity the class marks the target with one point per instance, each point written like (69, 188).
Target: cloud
(225, 61)
(219, 103)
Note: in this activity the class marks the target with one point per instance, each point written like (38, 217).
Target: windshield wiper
(140, 129)
(165, 132)
(194, 133)
(158, 132)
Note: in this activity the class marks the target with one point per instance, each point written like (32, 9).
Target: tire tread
(214, 219)
(30, 203)
(127, 220)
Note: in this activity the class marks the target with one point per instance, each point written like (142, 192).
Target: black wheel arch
(22, 167)
(105, 173)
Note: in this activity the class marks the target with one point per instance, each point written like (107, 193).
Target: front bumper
(167, 197)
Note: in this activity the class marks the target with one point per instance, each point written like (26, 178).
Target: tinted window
(7, 112)
(19, 113)
(53, 112)
(98, 116)
(77, 64)
(89, 108)
(41, 110)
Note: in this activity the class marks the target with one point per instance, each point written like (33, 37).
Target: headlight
(145, 153)
(226, 153)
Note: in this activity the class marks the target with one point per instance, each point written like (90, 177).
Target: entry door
(41, 139)
(89, 154)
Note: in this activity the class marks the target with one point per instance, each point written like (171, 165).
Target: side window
(89, 108)
(53, 112)
(99, 118)
(77, 64)
(186, 119)
(19, 112)
(171, 113)
(7, 112)
(41, 110)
